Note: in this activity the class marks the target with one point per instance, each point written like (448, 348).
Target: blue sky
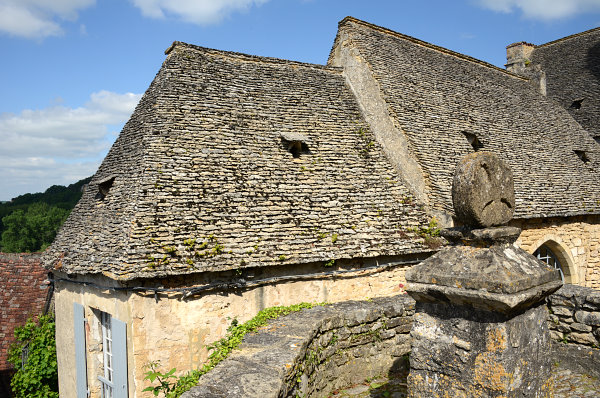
(73, 70)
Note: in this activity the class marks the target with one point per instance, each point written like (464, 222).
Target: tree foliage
(57, 196)
(31, 230)
(38, 376)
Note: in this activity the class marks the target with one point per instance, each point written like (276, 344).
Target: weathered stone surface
(436, 97)
(314, 351)
(483, 191)
(575, 317)
(588, 318)
(570, 65)
(481, 237)
(203, 181)
(502, 278)
(464, 352)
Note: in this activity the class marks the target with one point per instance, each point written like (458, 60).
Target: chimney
(518, 56)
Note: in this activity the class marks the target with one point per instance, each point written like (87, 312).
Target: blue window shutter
(80, 350)
(119, 334)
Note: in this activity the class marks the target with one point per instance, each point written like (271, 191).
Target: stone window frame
(568, 268)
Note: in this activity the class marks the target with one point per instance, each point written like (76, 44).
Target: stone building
(243, 182)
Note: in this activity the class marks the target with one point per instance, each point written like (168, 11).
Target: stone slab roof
(572, 68)
(23, 294)
(446, 103)
(233, 161)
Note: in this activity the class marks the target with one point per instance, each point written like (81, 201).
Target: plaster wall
(575, 241)
(93, 300)
(176, 331)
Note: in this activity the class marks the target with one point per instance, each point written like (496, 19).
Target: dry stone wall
(316, 351)
(575, 316)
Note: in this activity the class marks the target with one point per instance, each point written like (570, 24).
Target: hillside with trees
(29, 222)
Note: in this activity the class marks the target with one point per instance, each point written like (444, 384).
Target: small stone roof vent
(582, 155)
(473, 140)
(295, 143)
(577, 103)
(104, 187)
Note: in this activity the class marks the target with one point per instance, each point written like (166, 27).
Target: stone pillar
(480, 324)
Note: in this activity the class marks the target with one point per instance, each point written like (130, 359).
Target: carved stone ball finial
(483, 192)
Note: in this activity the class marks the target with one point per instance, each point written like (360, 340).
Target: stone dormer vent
(582, 155)
(473, 140)
(295, 143)
(104, 187)
(577, 103)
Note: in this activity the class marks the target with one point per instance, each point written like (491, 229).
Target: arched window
(546, 255)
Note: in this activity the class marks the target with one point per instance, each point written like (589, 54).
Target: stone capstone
(501, 278)
(483, 191)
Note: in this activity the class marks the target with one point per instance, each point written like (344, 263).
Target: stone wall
(159, 326)
(575, 316)
(316, 351)
(575, 241)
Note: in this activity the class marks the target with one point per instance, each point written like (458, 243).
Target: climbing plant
(34, 357)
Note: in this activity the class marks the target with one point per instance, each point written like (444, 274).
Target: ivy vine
(34, 356)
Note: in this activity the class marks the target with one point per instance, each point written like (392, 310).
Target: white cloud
(59, 145)
(543, 9)
(35, 19)
(202, 12)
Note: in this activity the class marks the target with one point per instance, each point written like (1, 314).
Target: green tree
(37, 376)
(31, 230)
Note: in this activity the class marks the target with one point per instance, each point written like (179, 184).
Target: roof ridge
(429, 45)
(585, 32)
(250, 57)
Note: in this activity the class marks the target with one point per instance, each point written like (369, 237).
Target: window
(546, 255)
(104, 187)
(295, 143)
(107, 355)
(112, 379)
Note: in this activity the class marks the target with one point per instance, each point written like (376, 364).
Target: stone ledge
(298, 354)
(314, 351)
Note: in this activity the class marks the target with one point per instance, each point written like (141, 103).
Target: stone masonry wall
(575, 316)
(316, 351)
(575, 241)
(176, 331)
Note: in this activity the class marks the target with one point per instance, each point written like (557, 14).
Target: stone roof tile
(442, 99)
(205, 181)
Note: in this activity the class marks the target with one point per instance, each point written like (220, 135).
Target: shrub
(37, 371)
